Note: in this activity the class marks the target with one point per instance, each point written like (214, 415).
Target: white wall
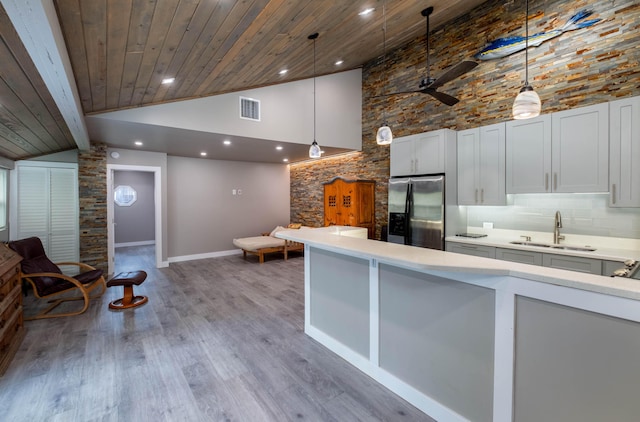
(286, 112)
(203, 214)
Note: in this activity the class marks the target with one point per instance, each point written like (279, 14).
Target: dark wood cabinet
(350, 203)
(11, 319)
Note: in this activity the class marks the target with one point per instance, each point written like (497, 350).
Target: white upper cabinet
(528, 155)
(580, 149)
(423, 153)
(624, 152)
(567, 151)
(481, 166)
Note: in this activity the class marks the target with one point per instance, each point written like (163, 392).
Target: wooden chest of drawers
(11, 322)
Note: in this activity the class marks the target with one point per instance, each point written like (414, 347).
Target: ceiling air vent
(249, 109)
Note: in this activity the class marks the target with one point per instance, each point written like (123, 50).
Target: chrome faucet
(557, 237)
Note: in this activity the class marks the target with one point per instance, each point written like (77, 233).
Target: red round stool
(128, 279)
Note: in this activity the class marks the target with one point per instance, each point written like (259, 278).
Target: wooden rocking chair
(47, 279)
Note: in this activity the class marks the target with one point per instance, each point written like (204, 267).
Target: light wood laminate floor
(220, 340)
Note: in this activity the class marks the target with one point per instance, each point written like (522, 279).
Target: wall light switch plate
(487, 225)
(234, 192)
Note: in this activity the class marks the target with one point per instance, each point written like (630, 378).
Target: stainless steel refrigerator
(416, 211)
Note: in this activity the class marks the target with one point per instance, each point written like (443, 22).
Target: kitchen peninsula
(468, 338)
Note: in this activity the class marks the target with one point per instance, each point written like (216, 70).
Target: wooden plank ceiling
(121, 50)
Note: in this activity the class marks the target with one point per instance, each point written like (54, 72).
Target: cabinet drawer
(8, 333)
(475, 250)
(516, 255)
(8, 309)
(9, 278)
(7, 287)
(573, 263)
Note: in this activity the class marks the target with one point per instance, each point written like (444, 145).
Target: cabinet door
(475, 250)
(572, 263)
(430, 152)
(401, 157)
(468, 143)
(332, 200)
(491, 165)
(580, 149)
(528, 155)
(624, 153)
(516, 255)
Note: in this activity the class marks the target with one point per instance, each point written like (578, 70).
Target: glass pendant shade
(314, 150)
(527, 104)
(384, 135)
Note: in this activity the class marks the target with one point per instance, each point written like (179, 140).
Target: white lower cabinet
(563, 262)
(475, 250)
(516, 255)
(572, 263)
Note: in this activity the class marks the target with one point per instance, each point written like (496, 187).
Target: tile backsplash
(583, 214)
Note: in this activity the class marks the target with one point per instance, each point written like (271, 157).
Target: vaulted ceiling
(121, 50)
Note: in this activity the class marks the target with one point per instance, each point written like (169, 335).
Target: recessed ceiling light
(138, 143)
(168, 80)
(227, 142)
(286, 160)
(283, 71)
(366, 11)
(279, 148)
(339, 62)
(203, 154)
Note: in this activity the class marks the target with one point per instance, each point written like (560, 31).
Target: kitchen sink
(542, 245)
(573, 248)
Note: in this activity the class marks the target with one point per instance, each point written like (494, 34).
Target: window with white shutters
(47, 207)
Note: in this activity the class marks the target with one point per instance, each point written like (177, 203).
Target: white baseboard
(142, 243)
(204, 255)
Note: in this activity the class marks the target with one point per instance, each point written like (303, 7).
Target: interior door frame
(157, 197)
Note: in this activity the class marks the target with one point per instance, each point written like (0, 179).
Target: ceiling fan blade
(441, 96)
(453, 73)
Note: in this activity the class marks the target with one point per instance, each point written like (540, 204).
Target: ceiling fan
(430, 85)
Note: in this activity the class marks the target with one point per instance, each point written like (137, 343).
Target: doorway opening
(113, 173)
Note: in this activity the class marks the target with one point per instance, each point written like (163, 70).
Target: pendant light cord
(314, 87)
(526, 47)
(428, 65)
(313, 37)
(384, 58)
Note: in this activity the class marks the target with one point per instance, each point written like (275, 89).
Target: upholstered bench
(127, 280)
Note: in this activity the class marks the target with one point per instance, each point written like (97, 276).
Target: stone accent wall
(579, 68)
(92, 183)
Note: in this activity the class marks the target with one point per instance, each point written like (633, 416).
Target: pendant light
(384, 135)
(527, 103)
(314, 149)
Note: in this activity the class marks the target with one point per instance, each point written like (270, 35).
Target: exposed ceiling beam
(37, 24)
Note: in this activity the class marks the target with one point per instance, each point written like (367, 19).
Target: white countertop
(606, 248)
(433, 260)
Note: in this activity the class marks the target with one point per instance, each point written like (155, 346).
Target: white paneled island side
(465, 338)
